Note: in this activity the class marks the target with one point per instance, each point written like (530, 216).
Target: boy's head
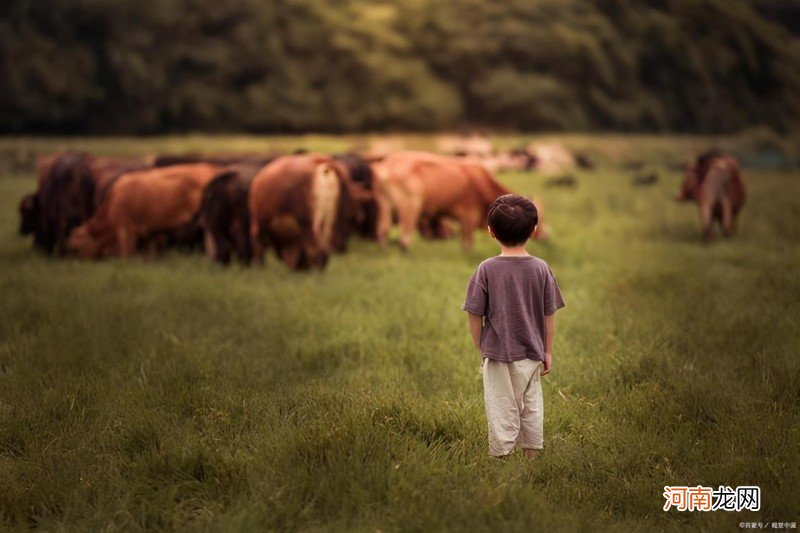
(512, 219)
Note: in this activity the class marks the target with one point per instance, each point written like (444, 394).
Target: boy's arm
(549, 335)
(475, 326)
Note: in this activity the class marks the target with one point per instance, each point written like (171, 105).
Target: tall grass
(175, 394)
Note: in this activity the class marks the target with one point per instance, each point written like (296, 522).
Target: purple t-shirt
(514, 294)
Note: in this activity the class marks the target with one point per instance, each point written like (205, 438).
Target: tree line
(150, 66)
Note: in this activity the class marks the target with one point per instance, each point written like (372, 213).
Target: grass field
(176, 394)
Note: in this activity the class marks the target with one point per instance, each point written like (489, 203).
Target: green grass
(176, 394)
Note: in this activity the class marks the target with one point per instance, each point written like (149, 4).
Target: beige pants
(513, 396)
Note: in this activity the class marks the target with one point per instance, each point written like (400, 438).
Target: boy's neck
(514, 251)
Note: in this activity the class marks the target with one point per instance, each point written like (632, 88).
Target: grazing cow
(644, 180)
(552, 158)
(567, 180)
(714, 181)
(421, 186)
(294, 206)
(224, 214)
(70, 186)
(142, 205)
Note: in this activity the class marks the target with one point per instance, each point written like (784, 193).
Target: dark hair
(512, 219)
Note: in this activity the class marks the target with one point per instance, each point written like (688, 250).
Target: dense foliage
(140, 66)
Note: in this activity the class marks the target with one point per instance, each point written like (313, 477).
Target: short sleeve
(477, 295)
(553, 301)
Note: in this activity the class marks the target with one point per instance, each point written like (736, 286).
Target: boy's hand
(548, 360)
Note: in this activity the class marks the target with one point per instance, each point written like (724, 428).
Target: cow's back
(484, 183)
(435, 182)
(159, 198)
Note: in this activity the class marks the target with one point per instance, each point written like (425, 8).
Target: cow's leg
(61, 238)
(126, 241)
(224, 249)
(152, 248)
(727, 217)
(384, 220)
(209, 244)
(323, 260)
(705, 220)
(257, 244)
(243, 248)
(409, 216)
(468, 220)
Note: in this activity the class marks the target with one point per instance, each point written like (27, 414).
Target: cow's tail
(325, 194)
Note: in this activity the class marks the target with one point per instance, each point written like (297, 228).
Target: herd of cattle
(305, 206)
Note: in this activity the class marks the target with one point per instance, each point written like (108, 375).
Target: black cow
(224, 215)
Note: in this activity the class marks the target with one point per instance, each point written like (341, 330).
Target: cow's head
(689, 186)
(89, 240)
(29, 214)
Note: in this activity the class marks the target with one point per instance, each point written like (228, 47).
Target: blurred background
(174, 66)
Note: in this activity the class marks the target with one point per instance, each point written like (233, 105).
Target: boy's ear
(491, 233)
(533, 233)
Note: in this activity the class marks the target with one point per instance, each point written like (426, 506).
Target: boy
(511, 300)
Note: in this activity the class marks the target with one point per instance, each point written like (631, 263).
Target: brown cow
(294, 206)
(423, 186)
(141, 204)
(714, 181)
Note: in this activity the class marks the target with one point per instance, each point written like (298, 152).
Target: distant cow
(644, 180)
(294, 206)
(714, 181)
(421, 186)
(565, 180)
(141, 205)
(225, 216)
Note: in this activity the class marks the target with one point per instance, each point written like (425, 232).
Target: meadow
(176, 394)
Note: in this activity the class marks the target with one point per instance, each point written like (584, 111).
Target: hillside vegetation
(144, 66)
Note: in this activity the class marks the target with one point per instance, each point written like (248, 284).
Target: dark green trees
(144, 66)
